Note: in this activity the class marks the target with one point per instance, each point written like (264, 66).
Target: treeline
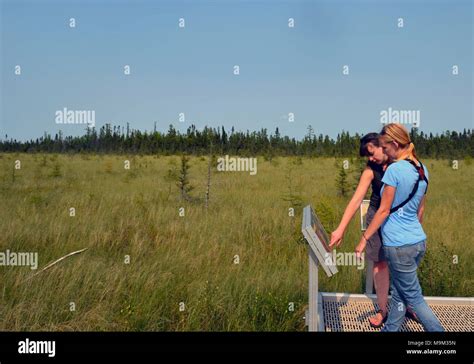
(116, 139)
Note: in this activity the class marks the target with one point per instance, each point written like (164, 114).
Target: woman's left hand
(361, 247)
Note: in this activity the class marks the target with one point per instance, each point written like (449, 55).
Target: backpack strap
(421, 177)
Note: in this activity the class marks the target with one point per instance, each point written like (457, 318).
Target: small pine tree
(183, 179)
(341, 181)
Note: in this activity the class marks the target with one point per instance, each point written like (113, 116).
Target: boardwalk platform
(341, 312)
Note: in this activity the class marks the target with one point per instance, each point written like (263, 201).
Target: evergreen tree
(341, 181)
(183, 179)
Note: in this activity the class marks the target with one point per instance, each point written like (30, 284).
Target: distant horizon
(228, 130)
(250, 64)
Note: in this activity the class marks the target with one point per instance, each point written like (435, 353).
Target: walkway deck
(350, 312)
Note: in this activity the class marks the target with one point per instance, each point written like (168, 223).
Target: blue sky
(282, 70)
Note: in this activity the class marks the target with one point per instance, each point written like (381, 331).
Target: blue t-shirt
(402, 227)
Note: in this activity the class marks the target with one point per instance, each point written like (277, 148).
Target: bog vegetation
(175, 245)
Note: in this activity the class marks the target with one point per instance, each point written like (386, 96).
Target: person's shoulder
(391, 173)
(404, 165)
(395, 166)
(372, 165)
(367, 174)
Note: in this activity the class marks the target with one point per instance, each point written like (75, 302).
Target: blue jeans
(406, 290)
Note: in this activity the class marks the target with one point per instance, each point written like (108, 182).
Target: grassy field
(191, 260)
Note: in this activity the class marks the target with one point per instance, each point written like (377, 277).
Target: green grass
(190, 259)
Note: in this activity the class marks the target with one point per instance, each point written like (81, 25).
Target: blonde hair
(395, 132)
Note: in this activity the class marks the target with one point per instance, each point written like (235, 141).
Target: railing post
(313, 321)
(318, 254)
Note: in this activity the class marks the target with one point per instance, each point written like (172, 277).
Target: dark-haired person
(371, 176)
(399, 216)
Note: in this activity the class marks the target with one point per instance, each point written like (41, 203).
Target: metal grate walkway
(350, 312)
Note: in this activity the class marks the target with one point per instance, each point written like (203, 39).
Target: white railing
(318, 254)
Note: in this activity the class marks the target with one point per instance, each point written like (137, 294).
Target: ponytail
(411, 152)
(394, 132)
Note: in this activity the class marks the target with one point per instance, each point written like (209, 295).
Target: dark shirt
(378, 171)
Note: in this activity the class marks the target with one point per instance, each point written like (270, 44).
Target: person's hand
(360, 247)
(336, 238)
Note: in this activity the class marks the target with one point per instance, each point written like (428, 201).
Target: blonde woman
(405, 183)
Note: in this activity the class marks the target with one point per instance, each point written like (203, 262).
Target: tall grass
(190, 260)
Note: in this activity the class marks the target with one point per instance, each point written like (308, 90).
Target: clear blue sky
(190, 70)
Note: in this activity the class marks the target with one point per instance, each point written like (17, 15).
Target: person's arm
(421, 209)
(356, 200)
(379, 217)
